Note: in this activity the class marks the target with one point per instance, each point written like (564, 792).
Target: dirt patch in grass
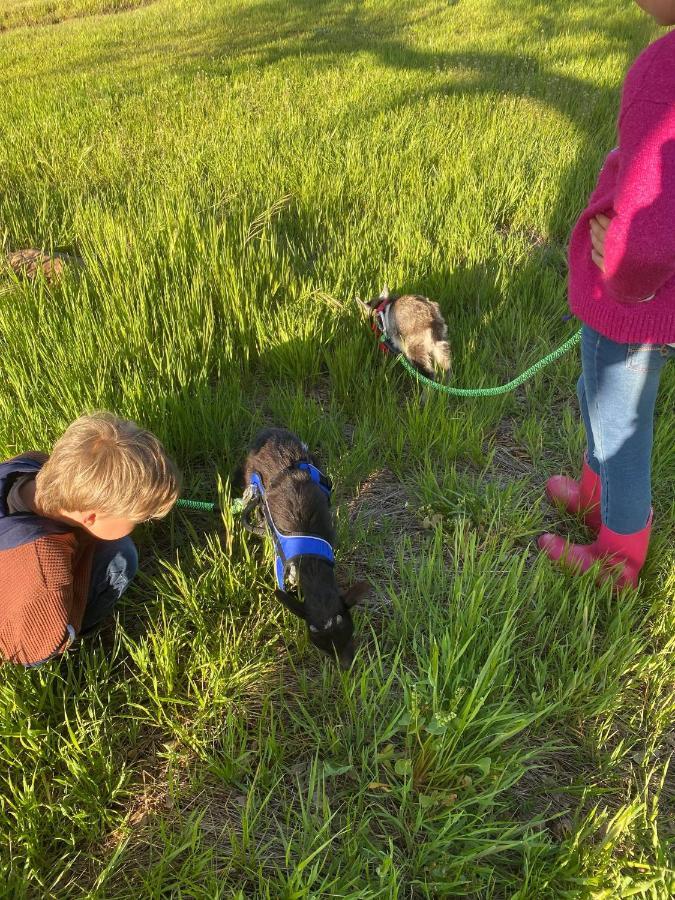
(150, 790)
(382, 498)
(168, 791)
(513, 462)
(35, 13)
(383, 505)
(149, 796)
(222, 808)
(216, 810)
(510, 459)
(554, 789)
(550, 791)
(544, 251)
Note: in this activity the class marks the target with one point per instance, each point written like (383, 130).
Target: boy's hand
(599, 226)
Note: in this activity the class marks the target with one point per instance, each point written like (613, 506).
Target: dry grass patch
(18, 13)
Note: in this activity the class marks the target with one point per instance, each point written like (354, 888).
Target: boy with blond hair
(65, 519)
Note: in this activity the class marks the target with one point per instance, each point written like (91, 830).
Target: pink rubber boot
(578, 497)
(622, 555)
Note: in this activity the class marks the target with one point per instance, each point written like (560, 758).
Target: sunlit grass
(233, 175)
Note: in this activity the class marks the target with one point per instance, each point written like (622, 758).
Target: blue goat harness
(290, 547)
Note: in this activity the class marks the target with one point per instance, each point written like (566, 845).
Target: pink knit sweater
(634, 300)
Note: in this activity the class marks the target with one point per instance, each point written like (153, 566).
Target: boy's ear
(355, 593)
(291, 603)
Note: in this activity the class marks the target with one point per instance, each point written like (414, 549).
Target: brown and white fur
(416, 328)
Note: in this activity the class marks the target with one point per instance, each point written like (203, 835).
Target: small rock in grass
(31, 262)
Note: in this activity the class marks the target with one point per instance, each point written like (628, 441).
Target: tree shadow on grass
(323, 33)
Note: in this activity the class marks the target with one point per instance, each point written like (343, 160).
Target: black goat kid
(299, 506)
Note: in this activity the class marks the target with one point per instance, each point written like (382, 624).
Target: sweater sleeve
(640, 240)
(46, 627)
(44, 632)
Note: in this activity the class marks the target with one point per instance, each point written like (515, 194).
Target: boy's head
(661, 10)
(107, 475)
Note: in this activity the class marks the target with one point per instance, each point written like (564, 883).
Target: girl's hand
(599, 226)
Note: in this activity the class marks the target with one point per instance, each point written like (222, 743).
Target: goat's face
(335, 635)
(370, 306)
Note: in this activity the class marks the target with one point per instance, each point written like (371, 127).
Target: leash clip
(252, 500)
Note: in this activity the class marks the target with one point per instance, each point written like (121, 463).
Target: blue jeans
(617, 395)
(114, 566)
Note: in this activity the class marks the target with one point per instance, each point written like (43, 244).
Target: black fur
(299, 506)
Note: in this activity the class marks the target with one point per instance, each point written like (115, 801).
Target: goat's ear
(355, 593)
(238, 477)
(291, 603)
(384, 293)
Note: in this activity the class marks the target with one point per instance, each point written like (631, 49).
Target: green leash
(204, 506)
(490, 391)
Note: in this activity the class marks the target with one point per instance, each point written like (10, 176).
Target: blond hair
(109, 465)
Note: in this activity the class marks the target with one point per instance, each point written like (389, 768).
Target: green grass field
(234, 174)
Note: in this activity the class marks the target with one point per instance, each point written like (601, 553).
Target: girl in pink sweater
(622, 287)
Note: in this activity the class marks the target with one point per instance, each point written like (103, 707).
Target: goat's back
(297, 504)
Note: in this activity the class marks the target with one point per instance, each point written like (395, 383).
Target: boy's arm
(43, 631)
(36, 649)
(39, 616)
(639, 247)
